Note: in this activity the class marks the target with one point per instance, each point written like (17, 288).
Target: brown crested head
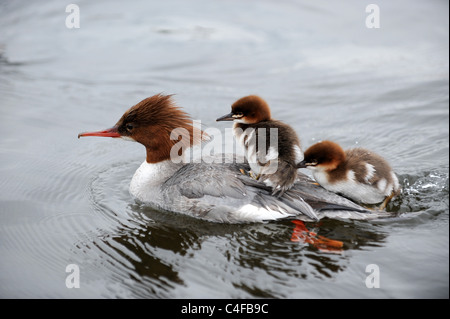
(250, 109)
(158, 124)
(326, 155)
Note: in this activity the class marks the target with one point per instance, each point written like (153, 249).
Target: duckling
(357, 173)
(271, 147)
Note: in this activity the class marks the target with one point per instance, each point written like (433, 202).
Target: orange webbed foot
(302, 234)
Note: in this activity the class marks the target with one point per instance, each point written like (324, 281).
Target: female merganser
(357, 173)
(212, 191)
(255, 131)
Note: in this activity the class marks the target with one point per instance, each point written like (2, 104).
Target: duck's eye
(238, 115)
(129, 127)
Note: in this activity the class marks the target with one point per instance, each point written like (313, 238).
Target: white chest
(148, 178)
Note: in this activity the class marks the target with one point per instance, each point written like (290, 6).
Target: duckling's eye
(129, 127)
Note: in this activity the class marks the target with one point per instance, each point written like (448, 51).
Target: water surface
(65, 201)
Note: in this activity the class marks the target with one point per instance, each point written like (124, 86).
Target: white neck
(149, 177)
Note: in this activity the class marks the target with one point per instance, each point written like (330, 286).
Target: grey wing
(202, 179)
(199, 190)
(216, 192)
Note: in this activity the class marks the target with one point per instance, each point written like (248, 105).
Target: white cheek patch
(320, 177)
(127, 138)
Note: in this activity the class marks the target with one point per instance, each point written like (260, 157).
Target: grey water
(65, 201)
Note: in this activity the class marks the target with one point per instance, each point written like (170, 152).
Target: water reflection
(151, 249)
(141, 248)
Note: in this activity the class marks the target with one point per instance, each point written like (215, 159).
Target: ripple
(427, 192)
